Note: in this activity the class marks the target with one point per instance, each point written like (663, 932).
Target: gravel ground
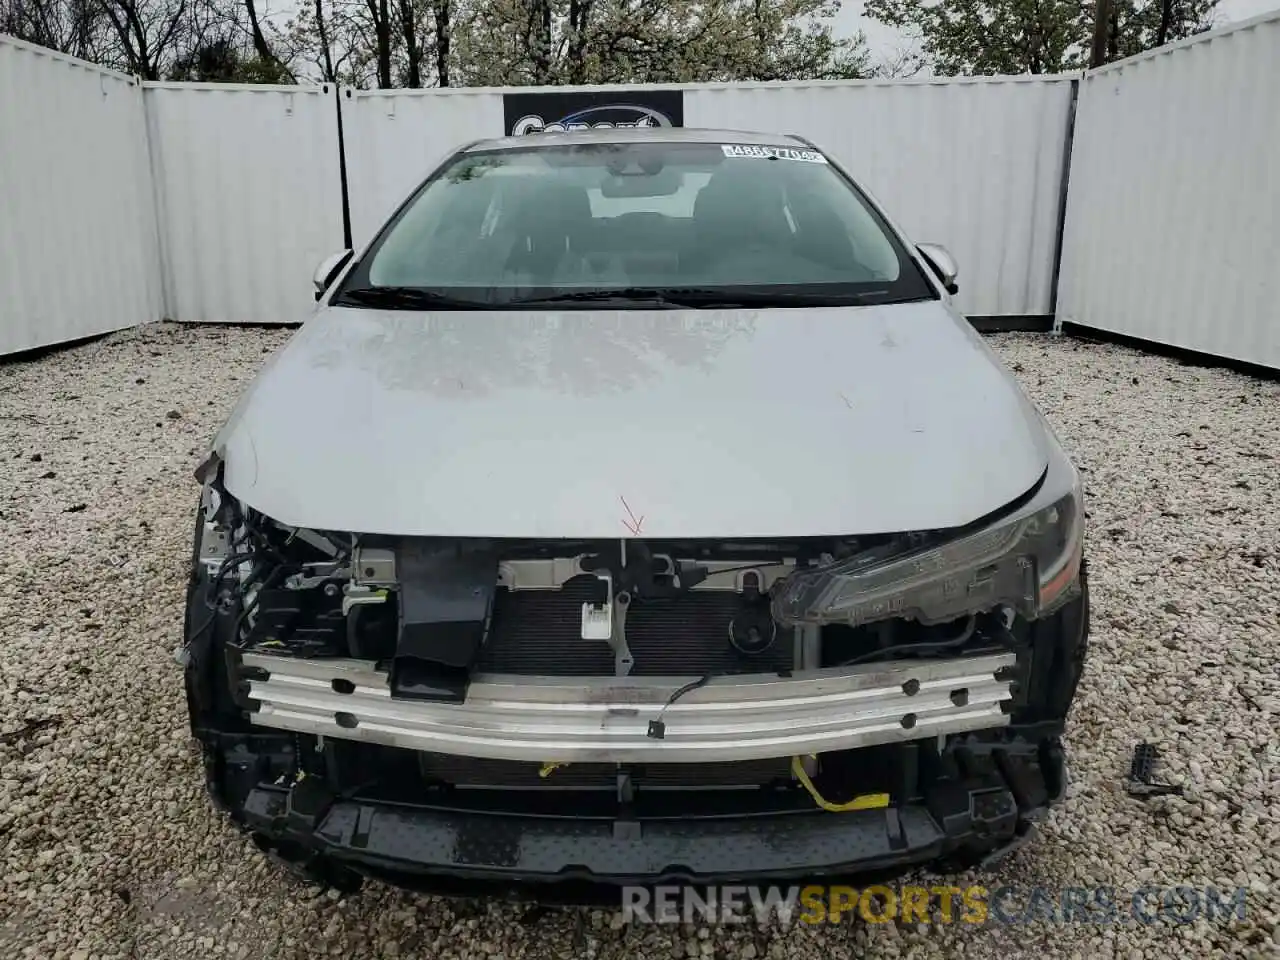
(111, 850)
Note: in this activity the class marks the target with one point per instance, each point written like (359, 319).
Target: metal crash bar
(606, 719)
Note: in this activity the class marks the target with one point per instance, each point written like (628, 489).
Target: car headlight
(1028, 562)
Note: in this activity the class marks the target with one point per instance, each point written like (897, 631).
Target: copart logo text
(607, 116)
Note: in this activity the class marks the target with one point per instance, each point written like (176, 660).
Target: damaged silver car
(635, 508)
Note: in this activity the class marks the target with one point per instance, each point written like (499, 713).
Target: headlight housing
(1030, 562)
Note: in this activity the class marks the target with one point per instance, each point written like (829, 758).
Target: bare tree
(444, 29)
(1166, 21)
(381, 16)
(578, 39)
(538, 38)
(499, 42)
(323, 34)
(71, 26)
(260, 45)
(320, 37)
(413, 51)
(149, 33)
(899, 64)
(959, 37)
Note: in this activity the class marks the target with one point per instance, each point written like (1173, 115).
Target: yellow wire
(868, 801)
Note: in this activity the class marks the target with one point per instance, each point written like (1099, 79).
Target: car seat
(738, 208)
(552, 225)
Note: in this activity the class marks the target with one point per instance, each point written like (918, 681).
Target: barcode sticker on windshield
(771, 153)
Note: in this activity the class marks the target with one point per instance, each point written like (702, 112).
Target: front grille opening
(399, 776)
(539, 633)
(472, 773)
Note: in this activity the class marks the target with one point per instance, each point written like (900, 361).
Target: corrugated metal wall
(393, 139)
(120, 205)
(77, 225)
(974, 164)
(250, 197)
(1173, 209)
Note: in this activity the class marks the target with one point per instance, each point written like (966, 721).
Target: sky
(885, 41)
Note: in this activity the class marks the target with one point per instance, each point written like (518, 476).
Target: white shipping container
(78, 252)
(1173, 207)
(250, 197)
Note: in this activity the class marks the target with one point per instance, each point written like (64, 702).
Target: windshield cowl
(630, 298)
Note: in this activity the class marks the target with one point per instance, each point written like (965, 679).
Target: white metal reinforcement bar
(605, 719)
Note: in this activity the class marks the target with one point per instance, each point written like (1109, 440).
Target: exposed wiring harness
(258, 546)
(867, 801)
(215, 586)
(657, 729)
(250, 544)
(270, 567)
(698, 568)
(182, 653)
(252, 605)
(933, 647)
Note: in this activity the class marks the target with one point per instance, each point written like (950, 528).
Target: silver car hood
(661, 424)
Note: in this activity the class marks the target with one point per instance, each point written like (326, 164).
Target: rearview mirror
(942, 263)
(328, 271)
(661, 184)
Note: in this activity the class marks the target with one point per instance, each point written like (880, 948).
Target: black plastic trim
(965, 820)
(1184, 355)
(1013, 323)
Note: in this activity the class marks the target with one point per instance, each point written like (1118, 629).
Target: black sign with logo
(527, 113)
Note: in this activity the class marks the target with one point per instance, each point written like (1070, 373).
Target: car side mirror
(942, 263)
(328, 270)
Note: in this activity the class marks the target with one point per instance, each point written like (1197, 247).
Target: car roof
(638, 135)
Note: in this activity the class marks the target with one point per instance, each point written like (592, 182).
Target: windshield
(686, 224)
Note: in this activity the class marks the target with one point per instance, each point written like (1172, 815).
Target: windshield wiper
(629, 296)
(408, 298)
(660, 298)
(702, 298)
